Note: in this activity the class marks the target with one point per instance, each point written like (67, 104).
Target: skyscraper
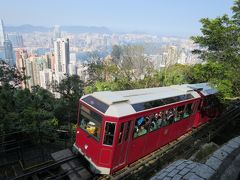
(8, 49)
(61, 54)
(56, 32)
(2, 33)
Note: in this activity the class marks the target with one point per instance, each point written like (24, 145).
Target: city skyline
(164, 17)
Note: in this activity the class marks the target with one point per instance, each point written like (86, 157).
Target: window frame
(121, 130)
(140, 107)
(105, 132)
(163, 109)
(127, 131)
(97, 104)
(100, 123)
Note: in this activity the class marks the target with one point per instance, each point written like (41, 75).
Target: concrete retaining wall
(222, 164)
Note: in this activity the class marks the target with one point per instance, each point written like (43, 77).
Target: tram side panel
(94, 138)
(87, 135)
(156, 138)
(108, 144)
(122, 142)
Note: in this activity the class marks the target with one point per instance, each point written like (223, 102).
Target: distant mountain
(71, 29)
(26, 28)
(85, 29)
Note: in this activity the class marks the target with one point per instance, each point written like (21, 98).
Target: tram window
(180, 113)
(162, 119)
(188, 110)
(141, 126)
(96, 103)
(160, 102)
(156, 122)
(109, 133)
(90, 122)
(121, 133)
(127, 130)
(170, 115)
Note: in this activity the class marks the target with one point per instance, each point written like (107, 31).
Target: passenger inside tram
(170, 116)
(146, 122)
(158, 119)
(91, 128)
(141, 126)
(180, 113)
(142, 131)
(163, 117)
(153, 125)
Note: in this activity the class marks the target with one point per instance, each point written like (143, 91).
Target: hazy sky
(177, 17)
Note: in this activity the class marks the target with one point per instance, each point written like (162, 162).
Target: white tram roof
(122, 103)
(205, 88)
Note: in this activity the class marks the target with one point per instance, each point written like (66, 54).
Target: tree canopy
(220, 48)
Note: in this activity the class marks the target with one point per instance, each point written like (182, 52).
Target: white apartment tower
(56, 32)
(61, 54)
(2, 33)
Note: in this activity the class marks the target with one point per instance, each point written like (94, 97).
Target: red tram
(117, 128)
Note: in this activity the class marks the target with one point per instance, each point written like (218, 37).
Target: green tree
(9, 76)
(117, 53)
(71, 90)
(220, 45)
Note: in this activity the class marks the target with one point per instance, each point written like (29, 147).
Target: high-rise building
(2, 33)
(56, 32)
(61, 54)
(38, 64)
(21, 56)
(73, 64)
(182, 58)
(46, 78)
(8, 49)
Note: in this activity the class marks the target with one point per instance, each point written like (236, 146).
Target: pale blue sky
(176, 17)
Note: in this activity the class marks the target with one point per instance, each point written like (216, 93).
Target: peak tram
(117, 128)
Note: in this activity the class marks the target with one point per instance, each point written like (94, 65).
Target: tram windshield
(90, 122)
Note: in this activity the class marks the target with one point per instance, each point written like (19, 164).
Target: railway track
(66, 166)
(45, 168)
(183, 147)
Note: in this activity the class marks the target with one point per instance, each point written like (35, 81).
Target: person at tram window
(96, 132)
(170, 117)
(136, 130)
(181, 112)
(153, 125)
(142, 131)
(155, 117)
(164, 118)
(91, 127)
(188, 110)
(146, 122)
(159, 119)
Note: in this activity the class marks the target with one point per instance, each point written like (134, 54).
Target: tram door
(122, 144)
